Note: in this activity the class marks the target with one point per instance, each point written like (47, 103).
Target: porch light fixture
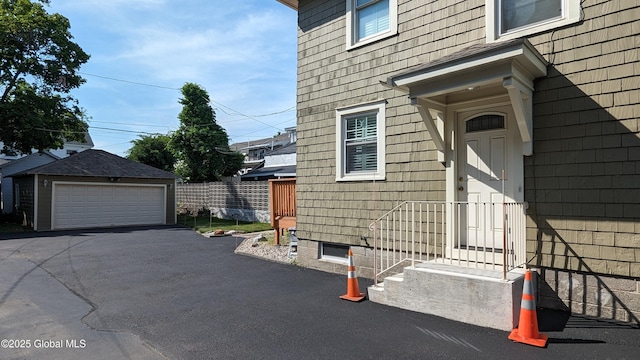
(45, 182)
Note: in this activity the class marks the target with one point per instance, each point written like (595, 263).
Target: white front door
(490, 166)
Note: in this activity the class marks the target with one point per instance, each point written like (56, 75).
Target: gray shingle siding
(582, 181)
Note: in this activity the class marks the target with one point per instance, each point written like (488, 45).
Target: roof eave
(290, 3)
(522, 53)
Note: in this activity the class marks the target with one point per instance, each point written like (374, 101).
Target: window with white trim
(509, 19)
(370, 20)
(360, 142)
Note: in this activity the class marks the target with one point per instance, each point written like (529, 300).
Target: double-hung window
(370, 20)
(508, 19)
(360, 142)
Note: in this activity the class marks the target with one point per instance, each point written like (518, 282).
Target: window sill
(362, 177)
(370, 40)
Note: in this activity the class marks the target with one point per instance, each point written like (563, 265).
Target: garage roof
(99, 163)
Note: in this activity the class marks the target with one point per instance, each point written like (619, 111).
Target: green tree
(38, 68)
(200, 144)
(153, 150)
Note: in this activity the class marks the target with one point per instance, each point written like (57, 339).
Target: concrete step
(378, 293)
(470, 296)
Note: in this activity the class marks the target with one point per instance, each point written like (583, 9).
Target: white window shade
(361, 143)
(373, 18)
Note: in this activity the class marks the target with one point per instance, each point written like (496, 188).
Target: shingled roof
(462, 56)
(99, 163)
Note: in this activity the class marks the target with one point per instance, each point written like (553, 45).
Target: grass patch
(203, 224)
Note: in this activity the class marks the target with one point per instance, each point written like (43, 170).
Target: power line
(119, 123)
(179, 89)
(122, 130)
(246, 135)
(250, 117)
(98, 128)
(129, 82)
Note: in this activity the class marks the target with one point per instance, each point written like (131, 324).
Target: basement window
(334, 252)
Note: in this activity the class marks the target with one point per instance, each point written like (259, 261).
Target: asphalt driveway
(153, 293)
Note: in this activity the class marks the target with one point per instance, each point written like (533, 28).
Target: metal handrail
(419, 231)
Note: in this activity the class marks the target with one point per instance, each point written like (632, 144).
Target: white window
(509, 19)
(370, 20)
(360, 142)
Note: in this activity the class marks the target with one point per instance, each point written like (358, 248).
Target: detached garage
(95, 189)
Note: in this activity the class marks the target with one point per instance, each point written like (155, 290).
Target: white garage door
(87, 205)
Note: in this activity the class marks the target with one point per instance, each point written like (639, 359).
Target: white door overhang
(479, 71)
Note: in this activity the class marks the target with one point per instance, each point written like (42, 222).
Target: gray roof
(287, 149)
(27, 162)
(99, 163)
(460, 56)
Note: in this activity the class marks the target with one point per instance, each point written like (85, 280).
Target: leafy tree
(38, 68)
(154, 151)
(200, 144)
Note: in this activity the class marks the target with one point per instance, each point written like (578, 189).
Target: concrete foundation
(474, 296)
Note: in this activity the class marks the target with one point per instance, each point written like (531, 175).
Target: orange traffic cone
(353, 292)
(527, 331)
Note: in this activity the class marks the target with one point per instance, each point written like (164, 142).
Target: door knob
(460, 188)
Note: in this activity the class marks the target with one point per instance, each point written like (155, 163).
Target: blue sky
(243, 52)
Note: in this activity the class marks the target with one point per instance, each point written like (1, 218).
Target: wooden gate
(282, 195)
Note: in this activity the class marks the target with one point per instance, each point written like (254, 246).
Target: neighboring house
(69, 148)
(74, 147)
(277, 164)
(14, 167)
(94, 189)
(254, 151)
(435, 125)
(25, 162)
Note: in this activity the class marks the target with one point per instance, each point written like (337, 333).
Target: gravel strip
(261, 249)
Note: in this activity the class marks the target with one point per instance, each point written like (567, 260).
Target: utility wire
(129, 82)
(119, 123)
(178, 89)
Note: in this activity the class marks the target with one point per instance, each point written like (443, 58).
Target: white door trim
(455, 136)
